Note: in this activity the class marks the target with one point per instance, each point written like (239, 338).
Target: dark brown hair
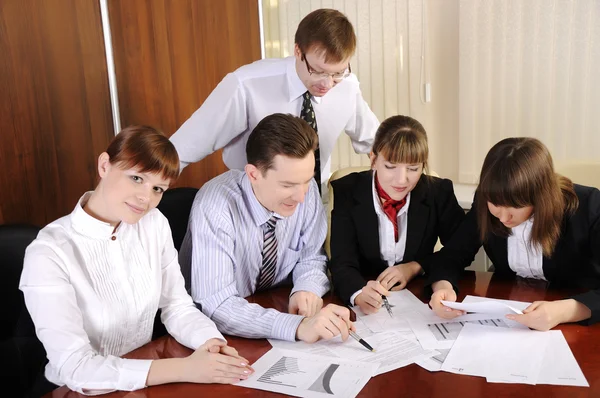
(145, 148)
(402, 139)
(328, 31)
(279, 134)
(519, 172)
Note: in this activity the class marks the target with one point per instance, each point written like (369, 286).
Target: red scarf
(391, 207)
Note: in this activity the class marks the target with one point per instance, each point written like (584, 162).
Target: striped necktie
(308, 114)
(269, 256)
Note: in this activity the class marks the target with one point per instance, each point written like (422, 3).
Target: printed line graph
(444, 331)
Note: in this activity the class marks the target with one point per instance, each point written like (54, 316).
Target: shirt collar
(260, 215)
(379, 206)
(295, 86)
(89, 226)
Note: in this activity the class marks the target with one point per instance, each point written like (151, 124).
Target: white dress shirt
(93, 293)
(525, 258)
(243, 98)
(222, 250)
(391, 251)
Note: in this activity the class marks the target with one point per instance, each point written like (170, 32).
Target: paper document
(392, 350)
(511, 355)
(519, 305)
(559, 366)
(484, 307)
(434, 363)
(435, 333)
(402, 302)
(305, 375)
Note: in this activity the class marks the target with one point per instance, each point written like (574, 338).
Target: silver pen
(387, 306)
(360, 340)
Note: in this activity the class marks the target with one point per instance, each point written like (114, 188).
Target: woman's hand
(443, 290)
(216, 362)
(369, 300)
(401, 273)
(544, 315)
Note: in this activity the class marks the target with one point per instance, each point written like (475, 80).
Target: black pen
(361, 341)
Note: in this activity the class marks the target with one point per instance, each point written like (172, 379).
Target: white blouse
(524, 258)
(93, 295)
(392, 252)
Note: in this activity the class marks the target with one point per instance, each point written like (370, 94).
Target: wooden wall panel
(55, 116)
(169, 56)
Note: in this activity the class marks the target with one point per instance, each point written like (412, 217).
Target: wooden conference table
(409, 381)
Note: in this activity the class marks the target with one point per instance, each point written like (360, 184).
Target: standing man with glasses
(316, 84)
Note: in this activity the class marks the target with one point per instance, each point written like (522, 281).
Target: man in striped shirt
(262, 227)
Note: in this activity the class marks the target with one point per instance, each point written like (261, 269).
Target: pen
(387, 306)
(361, 341)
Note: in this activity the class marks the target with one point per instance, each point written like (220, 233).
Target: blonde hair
(402, 139)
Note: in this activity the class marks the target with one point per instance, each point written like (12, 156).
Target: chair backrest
(176, 205)
(584, 173)
(19, 346)
(339, 174)
(14, 239)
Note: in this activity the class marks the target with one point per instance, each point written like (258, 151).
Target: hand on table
(305, 303)
(329, 322)
(216, 362)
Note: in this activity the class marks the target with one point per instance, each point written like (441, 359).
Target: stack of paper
(481, 343)
(484, 343)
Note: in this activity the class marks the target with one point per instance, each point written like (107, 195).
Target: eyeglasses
(337, 77)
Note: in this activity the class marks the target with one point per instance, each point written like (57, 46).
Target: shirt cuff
(285, 326)
(310, 286)
(133, 374)
(354, 296)
(203, 336)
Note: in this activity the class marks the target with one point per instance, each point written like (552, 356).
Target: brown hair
(327, 31)
(279, 134)
(146, 148)
(402, 139)
(519, 172)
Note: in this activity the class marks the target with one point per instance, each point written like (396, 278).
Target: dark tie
(269, 256)
(308, 113)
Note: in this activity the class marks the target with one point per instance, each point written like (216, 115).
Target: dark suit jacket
(575, 262)
(355, 253)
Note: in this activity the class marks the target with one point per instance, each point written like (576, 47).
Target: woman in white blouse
(94, 280)
(533, 223)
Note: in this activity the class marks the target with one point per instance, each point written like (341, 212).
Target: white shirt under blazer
(93, 292)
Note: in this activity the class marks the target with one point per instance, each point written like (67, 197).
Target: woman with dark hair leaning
(386, 221)
(94, 279)
(533, 223)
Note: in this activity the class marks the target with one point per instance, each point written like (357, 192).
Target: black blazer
(575, 262)
(355, 253)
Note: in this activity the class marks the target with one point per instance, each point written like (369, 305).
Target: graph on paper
(444, 331)
(286, 370)
(282, 373)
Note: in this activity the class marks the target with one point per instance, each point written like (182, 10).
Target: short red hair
(146, 148)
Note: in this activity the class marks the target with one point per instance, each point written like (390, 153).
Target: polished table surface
(408, 381)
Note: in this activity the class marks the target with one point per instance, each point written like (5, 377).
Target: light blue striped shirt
(222, 254)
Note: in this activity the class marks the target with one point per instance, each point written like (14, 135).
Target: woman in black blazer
(386, 221)
(533, 223)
